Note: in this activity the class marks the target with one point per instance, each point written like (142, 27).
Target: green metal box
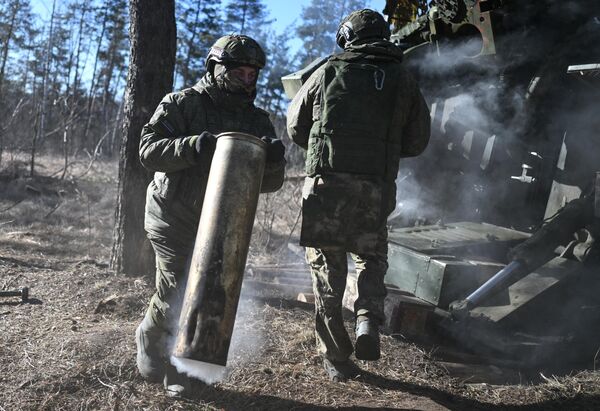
(440, 264)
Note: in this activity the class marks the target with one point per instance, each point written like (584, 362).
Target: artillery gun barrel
(501, 280)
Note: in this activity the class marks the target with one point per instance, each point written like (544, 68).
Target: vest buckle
(379, 76)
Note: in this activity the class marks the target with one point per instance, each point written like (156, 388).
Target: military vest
(358, 95)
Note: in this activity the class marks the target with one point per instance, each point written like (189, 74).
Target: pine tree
(271, 96)
(16, 29)
(17, 34)
(152, 62)
(320, 20)
(113, 62)
(249, 17)
(198, 27)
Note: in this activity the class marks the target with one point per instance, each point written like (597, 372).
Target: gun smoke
(246, 343)
(497, 120)
(506, 129)
(203, 371)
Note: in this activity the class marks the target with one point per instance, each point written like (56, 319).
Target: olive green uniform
(354, 144)
(175, 195)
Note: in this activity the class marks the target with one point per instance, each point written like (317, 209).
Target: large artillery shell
(219, 257)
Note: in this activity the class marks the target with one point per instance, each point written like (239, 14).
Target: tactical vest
(358, 95)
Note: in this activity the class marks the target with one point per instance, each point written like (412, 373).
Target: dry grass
(72, 347)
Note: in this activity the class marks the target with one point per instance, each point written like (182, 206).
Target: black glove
(275, 149)
(206, 143)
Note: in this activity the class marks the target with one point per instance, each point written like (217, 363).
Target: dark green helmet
(360, 25)
(236, 49)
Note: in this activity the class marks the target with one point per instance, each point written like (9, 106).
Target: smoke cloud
(246, 343)
(498, 121)
(491, 115)
(203, 371)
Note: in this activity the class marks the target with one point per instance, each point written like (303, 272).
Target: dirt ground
(71, 346)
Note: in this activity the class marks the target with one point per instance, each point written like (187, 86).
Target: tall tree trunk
(91, 98)
(191, 43)
(150, 77)
(9, 35)
(41, 131)
(243, 25)
(78, 52)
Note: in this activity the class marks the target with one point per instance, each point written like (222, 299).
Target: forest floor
(71, 345)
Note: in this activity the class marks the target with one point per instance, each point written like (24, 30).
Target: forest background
(63, 64)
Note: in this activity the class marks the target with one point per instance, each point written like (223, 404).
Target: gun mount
(512, 87)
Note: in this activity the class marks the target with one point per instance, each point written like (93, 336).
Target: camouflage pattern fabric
(347, 212)
(410, 123)
(171, 269)
(352, 225)
(329, 269)
(176, 193)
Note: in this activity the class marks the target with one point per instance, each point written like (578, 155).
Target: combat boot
(367, 339)
(150, 359)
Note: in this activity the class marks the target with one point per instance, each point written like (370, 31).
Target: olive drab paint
(349, 137)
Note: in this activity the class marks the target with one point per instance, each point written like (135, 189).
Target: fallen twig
(95, 155)
(54, 209)
(12, 206)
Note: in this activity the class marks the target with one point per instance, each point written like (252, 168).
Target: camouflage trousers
(172, 263)
(329, 270)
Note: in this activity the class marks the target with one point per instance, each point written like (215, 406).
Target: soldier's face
(245, 74)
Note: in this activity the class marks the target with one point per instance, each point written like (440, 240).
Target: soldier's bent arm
(417, 130)
(303, 110)
(163, 145)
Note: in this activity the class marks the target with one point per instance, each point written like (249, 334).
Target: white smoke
(203, 371)
(478, 113)
(246, 343)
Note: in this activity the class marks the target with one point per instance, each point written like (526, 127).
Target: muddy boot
(367, 339)
(176, 384)
(340, 371)
(149, 341)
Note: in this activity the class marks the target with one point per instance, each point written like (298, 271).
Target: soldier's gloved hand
(275, 149)
(206, 143)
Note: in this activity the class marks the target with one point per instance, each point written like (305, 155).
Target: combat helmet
(362, 24)
(236, 49)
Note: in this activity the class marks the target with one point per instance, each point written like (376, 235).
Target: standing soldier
(356, 116)
(178, 144)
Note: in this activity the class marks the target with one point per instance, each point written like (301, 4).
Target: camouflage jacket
(327, 214)
(410, 122)
(167, 147)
